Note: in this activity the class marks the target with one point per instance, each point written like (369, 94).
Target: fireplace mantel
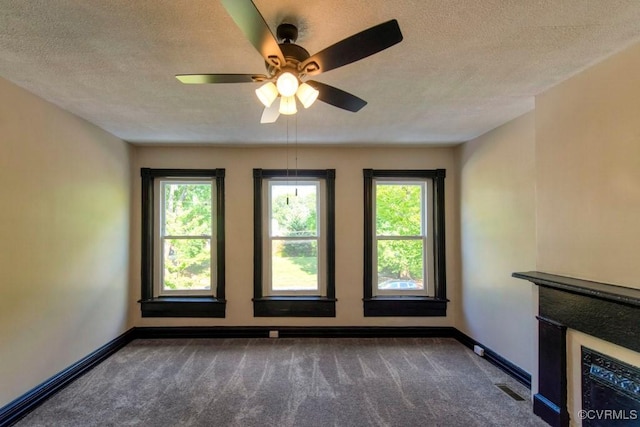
(598, 290)
(606, 311)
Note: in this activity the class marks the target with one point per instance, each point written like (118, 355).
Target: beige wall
(588, 187)
(348, 163)
(575, 162)
(588, 177)
(63, 239)
(497, 237)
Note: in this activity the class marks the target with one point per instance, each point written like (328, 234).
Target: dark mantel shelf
(602, 310)
(598, 290)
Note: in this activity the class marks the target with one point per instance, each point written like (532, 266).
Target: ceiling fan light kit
(288, 105)
(307, 95)
(287, 84)
(288, 64)
(267, 93)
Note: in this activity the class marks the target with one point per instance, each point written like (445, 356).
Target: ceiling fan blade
(255, 28)
(220, 78)
(271, 114)
(354, 48)
(337, 97)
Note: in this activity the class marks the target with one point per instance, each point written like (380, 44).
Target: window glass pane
(399, 209)
(187, 209)
(400, 265)
(294, 265)
(294, 210)
(187, 264)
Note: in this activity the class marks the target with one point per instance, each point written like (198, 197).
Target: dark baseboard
(368, 332)
(159, 332)
(494, 358)
(291, 332)
(18, 408)
(21, 406)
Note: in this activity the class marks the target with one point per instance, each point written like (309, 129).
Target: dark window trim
(180, 306)
(293, 306)
(406, 305)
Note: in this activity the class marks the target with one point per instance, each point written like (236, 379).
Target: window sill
(183, 307)
(294, 306)
(404, 306)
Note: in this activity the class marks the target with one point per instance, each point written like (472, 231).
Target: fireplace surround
(610, 313)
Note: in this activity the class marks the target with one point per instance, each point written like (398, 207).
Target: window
(294, 243)
(182, 243)
(185, 230)
(404, 268)
(403, 238)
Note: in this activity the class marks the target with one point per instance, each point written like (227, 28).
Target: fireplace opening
(610, 391)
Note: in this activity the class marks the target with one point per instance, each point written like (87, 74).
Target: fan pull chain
(287, 153)
(296, 151)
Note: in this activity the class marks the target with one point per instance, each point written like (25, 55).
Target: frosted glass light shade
(267, 93)
(288, 105)
(307, 95)
(287, 84)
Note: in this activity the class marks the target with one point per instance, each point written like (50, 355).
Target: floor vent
(510, 392)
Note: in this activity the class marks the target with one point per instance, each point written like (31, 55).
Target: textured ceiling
(463, 68)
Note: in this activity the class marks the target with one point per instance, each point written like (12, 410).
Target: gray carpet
(290, 382)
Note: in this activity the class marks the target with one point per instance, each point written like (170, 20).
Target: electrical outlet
(273, 334)
(478, 350)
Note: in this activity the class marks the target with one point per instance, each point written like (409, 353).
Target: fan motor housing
(293, 54)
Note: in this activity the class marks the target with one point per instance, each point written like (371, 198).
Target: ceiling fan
(288, 64)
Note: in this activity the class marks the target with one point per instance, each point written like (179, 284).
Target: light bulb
(287, 84)
(288, 105)
(307, 94)
(267, 93)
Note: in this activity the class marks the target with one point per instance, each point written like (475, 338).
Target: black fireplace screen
(610, 391)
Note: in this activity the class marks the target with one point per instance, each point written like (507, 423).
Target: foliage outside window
(183, 273)
(403, 236)
(186, 256)
(294, 243)
(404, 265)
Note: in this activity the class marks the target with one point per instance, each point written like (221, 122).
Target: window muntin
(403, 237)
(186, 244)
(294, 243)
